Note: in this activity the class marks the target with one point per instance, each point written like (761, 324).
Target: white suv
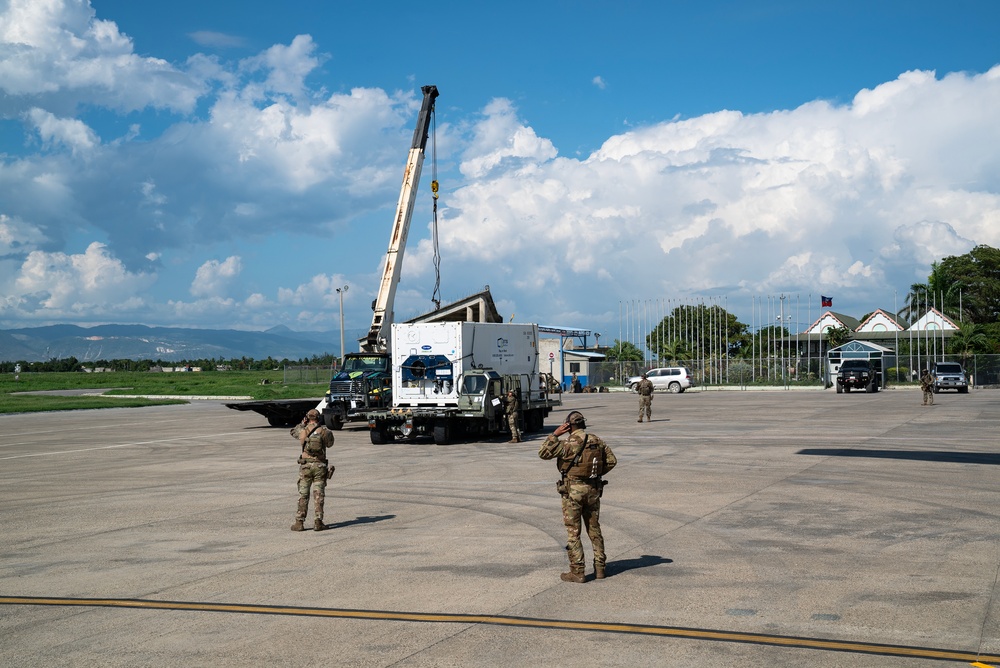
(949, 376)
(672, 379)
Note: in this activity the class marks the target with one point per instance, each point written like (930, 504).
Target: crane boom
(382, 318)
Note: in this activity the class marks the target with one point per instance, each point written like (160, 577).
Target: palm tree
(941, 291)
(916, 302)
(968, 340)
(624, 351)
(675, 351)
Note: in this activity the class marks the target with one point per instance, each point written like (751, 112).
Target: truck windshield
(474, 385)
(373, 363)
(948, 368)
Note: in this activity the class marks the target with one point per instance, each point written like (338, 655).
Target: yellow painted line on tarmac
(529, 622)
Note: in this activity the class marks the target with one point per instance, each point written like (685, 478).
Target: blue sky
(230, 164)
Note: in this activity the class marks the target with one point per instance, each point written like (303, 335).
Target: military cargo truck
(449, 380)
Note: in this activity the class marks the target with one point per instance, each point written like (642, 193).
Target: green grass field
(210, 383)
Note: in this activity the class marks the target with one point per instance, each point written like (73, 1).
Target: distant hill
(107, 342)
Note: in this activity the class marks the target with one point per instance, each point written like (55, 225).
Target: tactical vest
(313, 446)
(589, 463)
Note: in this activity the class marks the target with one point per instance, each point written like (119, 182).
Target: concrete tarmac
(743, 529)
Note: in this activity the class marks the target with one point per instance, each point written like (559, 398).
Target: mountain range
(137, 342)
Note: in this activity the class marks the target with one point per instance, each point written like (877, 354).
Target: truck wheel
(537, 421)
(937, 390)
(333, 422)
(378, 435)
(847, 388)
(869, 388)
(529, 421)
(674, 388)
(442, 434)
(963, 390)
(840, 388)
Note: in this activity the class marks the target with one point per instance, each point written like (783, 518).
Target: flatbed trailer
(279, 412)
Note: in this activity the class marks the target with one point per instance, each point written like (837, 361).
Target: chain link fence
(981, 370)
(308, 375)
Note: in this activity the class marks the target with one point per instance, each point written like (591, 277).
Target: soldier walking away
(314, 469)
(512, 407)
(927, 385)
(582, 459)
(645, 389)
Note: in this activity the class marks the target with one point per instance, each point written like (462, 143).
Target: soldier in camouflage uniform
(314, 469)
(927, 386)
(645, 389)
(512, 407)
(582, 459)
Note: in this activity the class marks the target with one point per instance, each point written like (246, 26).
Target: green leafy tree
(675, 351)
(623, 351)
(973, 279)
(764, 342)
(837, 336)
(969, 340)
(697, 329)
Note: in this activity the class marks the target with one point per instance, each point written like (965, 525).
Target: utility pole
(340, 292)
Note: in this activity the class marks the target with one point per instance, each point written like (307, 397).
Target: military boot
(575, 575)
(298, 526)
(318, 525)
(598, 571)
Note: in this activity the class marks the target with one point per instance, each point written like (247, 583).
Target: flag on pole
(826, 302)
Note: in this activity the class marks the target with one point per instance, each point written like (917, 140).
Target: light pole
(341, 291)
(781, 332)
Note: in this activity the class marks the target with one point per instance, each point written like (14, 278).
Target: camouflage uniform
(512, 407)
(313, 466)
(645, 390)
(581, 499)
(927, 385)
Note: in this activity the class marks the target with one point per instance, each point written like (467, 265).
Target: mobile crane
(364, 381)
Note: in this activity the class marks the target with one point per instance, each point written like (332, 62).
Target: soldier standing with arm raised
(582, 459)
(314, 469)
(645, 389)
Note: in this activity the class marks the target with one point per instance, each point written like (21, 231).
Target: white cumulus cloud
(731, 201)
(57, 51)
(213, 278)
(854, 199)
(92, 283)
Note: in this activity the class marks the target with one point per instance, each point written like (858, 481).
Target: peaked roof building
(881, 321)
(934, 320)
(831, 320)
